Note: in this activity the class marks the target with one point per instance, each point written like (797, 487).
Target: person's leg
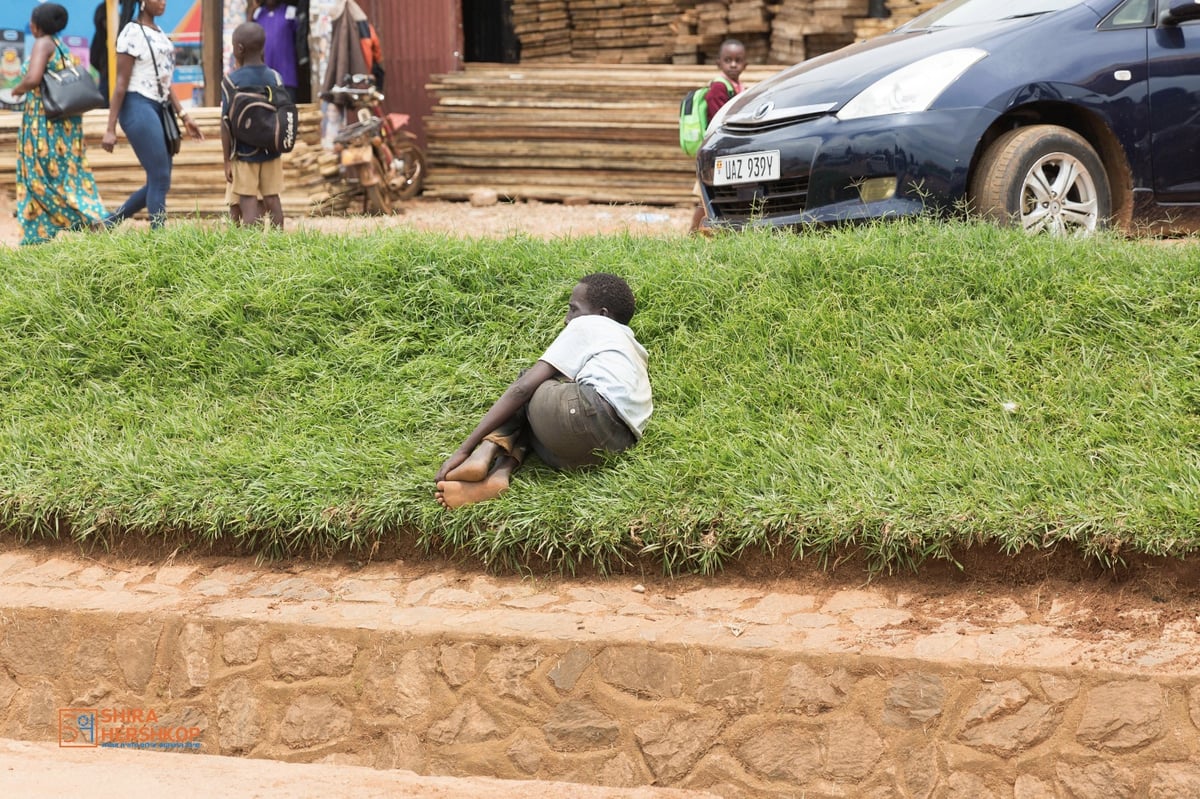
(248, 203)
(143, 130)
(275, 208)
(270, 186)
(572, 426)
(510, 438)
(456, 493)
(245, 186)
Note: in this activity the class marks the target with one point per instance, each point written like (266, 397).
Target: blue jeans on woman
(139, 118)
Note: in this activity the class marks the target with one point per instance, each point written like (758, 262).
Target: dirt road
(460, 218)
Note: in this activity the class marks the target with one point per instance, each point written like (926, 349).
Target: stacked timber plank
(197, 177)
(683, 31)
(802, 29)
(602, 133)
(543, 28)
(901, 12)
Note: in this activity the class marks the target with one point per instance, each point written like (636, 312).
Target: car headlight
(913, 87)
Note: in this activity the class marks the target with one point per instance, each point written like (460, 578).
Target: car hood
(826, 83)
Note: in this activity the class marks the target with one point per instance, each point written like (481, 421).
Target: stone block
(190, 670)
(402, 750)
(570, 668)
(1122, 716)
(35, 648)
(673, 743)
(304, 657)
(459, 663)
(403, 687)
(731, 682)
(468, 723)
(1006, 719)
(786, 752)
(239, 647)
(577, 726)
(239, 724)
(136, 653)
(914, 700)
(1175, 781)
(1099, 779)
(509, 670)
(641, 671)
(811, 692)
(312, 720)
(852, 750)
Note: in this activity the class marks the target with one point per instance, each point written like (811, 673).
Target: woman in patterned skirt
(55, 187)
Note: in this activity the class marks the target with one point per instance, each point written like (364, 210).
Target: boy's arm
(718, 95)
(226, 138)
(517, 394)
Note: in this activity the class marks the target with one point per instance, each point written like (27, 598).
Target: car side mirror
(1178, 11)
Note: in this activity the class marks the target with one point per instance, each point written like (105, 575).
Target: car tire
(1045, 179)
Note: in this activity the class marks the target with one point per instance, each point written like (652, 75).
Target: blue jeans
(139, 118)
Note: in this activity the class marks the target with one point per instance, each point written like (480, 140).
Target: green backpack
(693, 117)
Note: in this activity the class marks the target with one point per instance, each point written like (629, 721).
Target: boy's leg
(245, 186)
(249, 205)
(270, 186)
(510, 438)
(231, 200)
(456, 493)
(275, 209)
(571, 425)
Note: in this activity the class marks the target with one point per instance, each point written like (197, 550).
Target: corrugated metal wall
(419, 38)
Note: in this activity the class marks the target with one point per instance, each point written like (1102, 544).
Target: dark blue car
(1062, 116)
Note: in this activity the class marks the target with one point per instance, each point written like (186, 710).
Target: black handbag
(69, 91)
(166, 109)
(171, 132)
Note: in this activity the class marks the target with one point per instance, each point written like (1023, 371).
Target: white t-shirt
(602, 353)
(143, 80)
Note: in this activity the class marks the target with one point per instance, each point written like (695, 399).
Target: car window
(954, 13)
(1130, 14)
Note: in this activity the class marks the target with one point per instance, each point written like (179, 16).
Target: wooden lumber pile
(901, 12)
(604, 133)
(543, 28)
(622, 32)
(683, 31)
(197, 177)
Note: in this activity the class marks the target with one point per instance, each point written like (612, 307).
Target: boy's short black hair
(50, 18)
(251, 36)
(609, 291)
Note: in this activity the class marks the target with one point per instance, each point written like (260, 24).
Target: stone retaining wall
(740, 720)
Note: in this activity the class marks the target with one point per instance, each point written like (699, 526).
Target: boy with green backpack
(701, 105)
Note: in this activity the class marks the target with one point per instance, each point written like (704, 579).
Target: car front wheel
(1045, 178)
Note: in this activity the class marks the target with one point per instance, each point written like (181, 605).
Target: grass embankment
(900, 392)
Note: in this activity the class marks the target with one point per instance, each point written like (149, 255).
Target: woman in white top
(588, 394)
(145, 64)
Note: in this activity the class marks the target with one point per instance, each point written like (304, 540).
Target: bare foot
(453, 494)
(477, 465)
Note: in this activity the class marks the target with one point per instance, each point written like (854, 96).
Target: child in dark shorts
(588, 394)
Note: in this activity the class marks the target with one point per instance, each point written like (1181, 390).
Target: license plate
(746, 168)
(356, 155)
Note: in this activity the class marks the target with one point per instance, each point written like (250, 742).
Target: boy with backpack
(731, 59)
(257, 126)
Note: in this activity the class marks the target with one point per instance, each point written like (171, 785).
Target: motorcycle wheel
(408, 180)
(377, 201)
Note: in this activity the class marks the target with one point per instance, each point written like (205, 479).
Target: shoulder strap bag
(166, 110)
(69, 91)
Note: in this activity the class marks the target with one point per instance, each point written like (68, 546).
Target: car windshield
(954, 13)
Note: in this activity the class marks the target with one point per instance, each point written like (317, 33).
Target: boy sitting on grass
(588, 394)
(253, 173)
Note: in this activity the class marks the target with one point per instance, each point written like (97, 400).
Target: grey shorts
(571, 425)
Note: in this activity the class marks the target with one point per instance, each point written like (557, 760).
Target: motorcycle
(376, 151)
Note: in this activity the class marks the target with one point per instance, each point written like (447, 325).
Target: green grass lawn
(897, 392)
